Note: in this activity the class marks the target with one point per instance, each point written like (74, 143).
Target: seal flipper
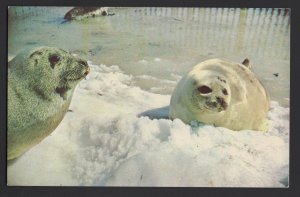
(157, 113)
(246, 63)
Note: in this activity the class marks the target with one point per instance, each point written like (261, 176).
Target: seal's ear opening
(54, 59)
(246, 62)
(204, 89)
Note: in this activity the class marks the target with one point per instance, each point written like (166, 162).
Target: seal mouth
(218, 105)
(68, 81)
(71, 77)
(217, 109)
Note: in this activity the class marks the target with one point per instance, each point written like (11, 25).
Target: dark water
(158, 45)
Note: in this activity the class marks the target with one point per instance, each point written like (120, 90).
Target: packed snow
(117, 134)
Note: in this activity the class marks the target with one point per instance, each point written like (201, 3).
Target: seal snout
(85, 66)
(222, 103)
(218, 104)
(87, 71)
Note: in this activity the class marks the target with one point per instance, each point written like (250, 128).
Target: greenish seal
(222, 93)
(41, 83)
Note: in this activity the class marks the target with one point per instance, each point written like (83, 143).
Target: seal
(78, 13)
(222, 93)
(41, 82)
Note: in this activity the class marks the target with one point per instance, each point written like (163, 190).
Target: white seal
(222, 93)
(41, 82)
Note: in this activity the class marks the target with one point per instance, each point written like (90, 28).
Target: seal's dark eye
(53, 59)
(225, 91)
(83, 63)
(204, 89)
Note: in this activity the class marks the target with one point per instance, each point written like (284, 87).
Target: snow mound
(104, 142)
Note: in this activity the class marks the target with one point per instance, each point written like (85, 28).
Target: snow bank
(106, 141)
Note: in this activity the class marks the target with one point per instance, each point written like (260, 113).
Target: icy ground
(103, 142)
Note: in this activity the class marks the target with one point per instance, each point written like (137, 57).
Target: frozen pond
(136, 58)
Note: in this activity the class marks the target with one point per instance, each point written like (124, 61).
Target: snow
(107, 140)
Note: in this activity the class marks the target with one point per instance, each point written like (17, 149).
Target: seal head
(41, 82)
(222, 93)
(79, 13)
(210, 93)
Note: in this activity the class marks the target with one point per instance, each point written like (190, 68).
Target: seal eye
(204, 89)
(83, 63)
(225, 91)
(53, 59)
